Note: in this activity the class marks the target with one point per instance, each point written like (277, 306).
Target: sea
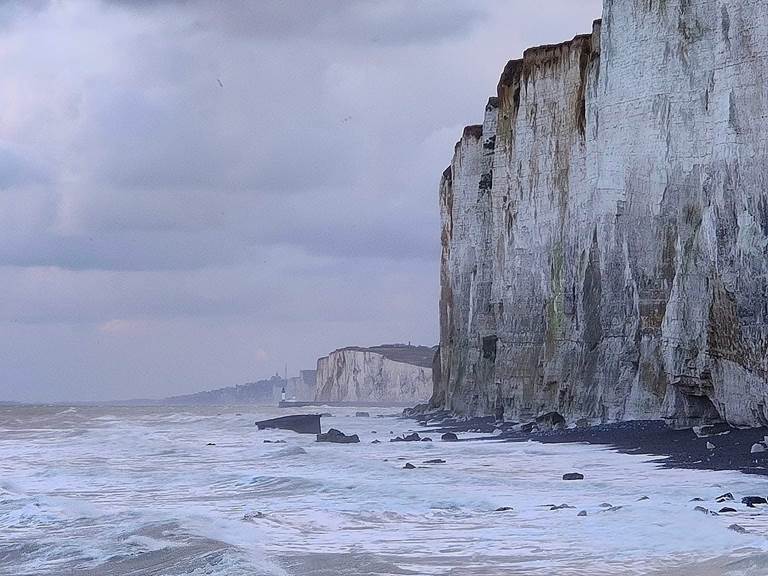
(139, 491)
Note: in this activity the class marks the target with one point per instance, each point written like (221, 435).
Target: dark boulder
(562, 507)
(414, 437)
(727, 497)
(362, 414)
(582, 513)
(752, 500)
(337, 437)
(504, 509)
(416, 410)
(409, 466)
(449, 437)
(435, 461)
(426, 439)
(573, 476)
(550, 421)
(301, 423)
(737, 528)
(725, 510)
(376, 442)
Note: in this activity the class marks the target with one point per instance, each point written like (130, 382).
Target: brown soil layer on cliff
(678, 448)
(416, 355)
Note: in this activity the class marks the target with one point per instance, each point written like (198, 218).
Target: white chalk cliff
(605, 230)
(390, 373)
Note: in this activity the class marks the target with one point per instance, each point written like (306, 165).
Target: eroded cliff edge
(390, 374)
(605, 230)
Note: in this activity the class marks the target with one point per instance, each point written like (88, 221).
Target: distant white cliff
(390, 373)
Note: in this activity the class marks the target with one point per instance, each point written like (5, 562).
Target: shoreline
(672, 448)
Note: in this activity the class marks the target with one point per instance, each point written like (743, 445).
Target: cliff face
(396, 374)
(605, 231)
(300, 388)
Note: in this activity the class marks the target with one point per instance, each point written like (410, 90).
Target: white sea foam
(136, 486)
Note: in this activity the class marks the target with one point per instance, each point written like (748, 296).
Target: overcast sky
(194, 192)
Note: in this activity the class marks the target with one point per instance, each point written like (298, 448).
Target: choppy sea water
(138, 491)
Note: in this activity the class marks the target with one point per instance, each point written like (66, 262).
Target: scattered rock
(251, 516)
(274, 442)
(701, 509)
(606, 505)
(614, 508)
(697, 499)
(435, 461)
(583, 423)
(504, 509)
(337, 437)
(376, 442)
(211, 444)
(449, 437)
(711, 430)
(727, 497)
(643, 498)
(725, 510)
(737, 528)
(573, 476)
(710, 446)
(426, 439)
(582, 513)
(414, 437)
(757, 448)
(750, 501)
(362, 414)
(409, 466)
(562, 507)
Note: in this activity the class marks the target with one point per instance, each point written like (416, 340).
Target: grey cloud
(354, 21)
(18, 170)
(183, 183)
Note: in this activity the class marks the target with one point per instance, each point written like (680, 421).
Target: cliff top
(417, 355)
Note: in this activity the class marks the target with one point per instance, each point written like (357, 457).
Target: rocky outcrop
(301, 423)
(605, 230)
(338, 437)
(388, 374)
